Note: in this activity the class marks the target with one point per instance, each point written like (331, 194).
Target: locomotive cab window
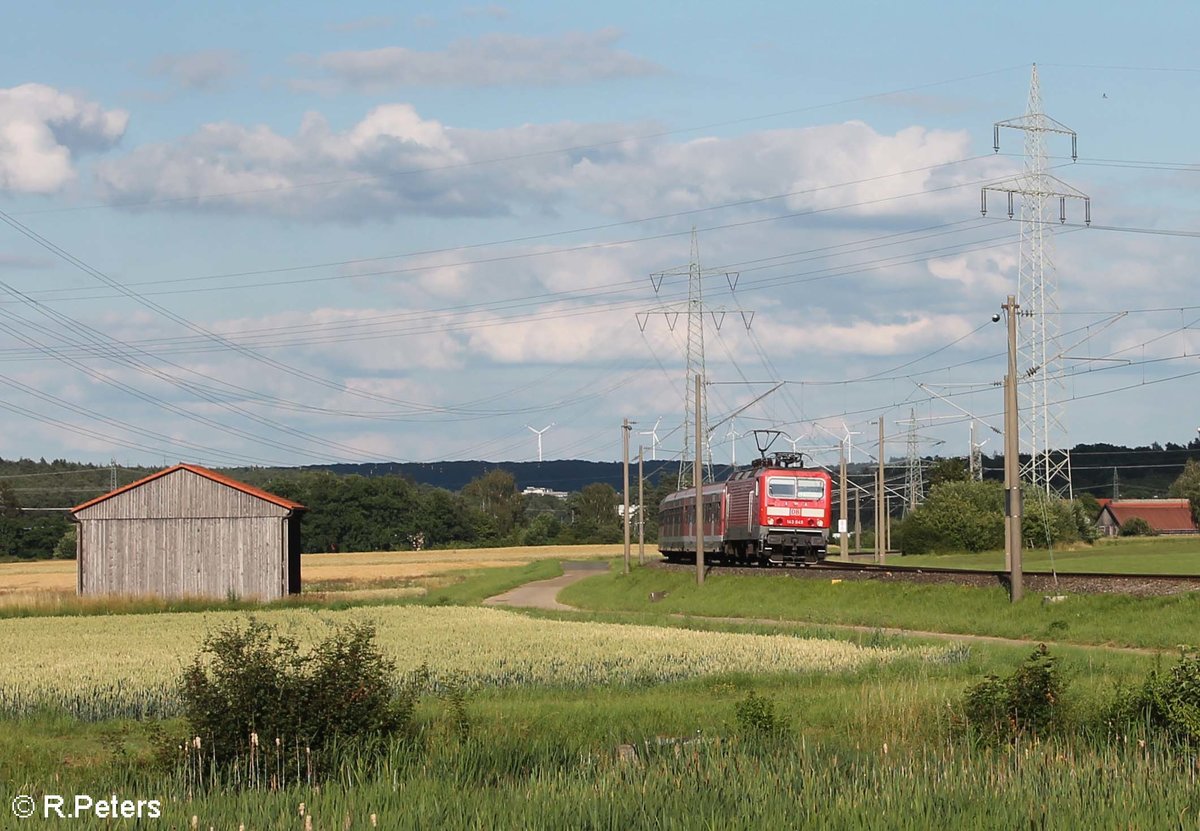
(791, 487)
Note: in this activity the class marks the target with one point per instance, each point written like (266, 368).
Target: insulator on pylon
(1010, 205)
(1062, 210)
(983, 202)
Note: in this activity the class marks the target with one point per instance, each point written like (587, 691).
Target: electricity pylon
(914, 480)
(1041, 389)
(694, 310)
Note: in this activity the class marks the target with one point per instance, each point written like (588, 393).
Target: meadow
(1130, 555)
(631, 713)
(1101, 620)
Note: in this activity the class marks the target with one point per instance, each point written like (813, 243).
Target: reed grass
(717, 783)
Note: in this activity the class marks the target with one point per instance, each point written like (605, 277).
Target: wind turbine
(653, 434)
(850, 442)
(539, 435)
(845, 441)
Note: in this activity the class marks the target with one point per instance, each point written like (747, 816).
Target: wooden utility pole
(1012, 462)
(641, 507)
(880, 507)
(698, 477)
(843, 517)
(625, 428)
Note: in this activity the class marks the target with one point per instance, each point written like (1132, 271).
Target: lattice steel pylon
(694, 311)
(1040, 385)
(975, 463)
(914, 481)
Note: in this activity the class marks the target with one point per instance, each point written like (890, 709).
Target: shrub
(1137, 527)
(956, 516)
(65, 549)
(1166, 703)
(1027, 702)
(252, 692)
(757, 719)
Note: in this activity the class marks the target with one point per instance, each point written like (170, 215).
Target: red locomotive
(774, 512)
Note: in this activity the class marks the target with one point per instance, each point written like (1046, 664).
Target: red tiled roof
(207, 474)
(1160, 514)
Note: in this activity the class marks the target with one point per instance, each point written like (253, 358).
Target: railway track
(1036, 581)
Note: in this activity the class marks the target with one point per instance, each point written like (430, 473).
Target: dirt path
(918, 633)
(542, 594)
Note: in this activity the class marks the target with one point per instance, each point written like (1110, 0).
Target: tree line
(394, 512)
(360, 513)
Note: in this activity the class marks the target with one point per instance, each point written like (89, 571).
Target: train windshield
(791, 487)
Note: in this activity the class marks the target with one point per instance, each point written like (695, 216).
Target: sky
(286, 234)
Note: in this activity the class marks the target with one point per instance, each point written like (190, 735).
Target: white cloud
(391, 162)
(41, 131)
(487, 61)
(395, 162)
(561, 335)
(203, 70)
(989, 273)
(912, 332)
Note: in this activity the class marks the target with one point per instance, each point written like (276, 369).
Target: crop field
(131, 662)
(601, 723)
(330, 572)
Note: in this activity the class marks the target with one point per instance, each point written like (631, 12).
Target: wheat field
(20, 582)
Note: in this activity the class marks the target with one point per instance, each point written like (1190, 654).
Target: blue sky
(299, 233)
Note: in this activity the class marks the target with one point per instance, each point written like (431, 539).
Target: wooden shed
(188, 531)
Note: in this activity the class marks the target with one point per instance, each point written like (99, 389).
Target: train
(776, 512)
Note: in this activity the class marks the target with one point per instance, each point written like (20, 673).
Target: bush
(969, 516)
(251, 692)
(1166, 703)
(757, 719)
(956, 516)
(1027, 702)
(1137, 527)
(65, 550)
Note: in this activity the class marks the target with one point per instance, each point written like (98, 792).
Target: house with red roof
(1165, 516)
(189, 532)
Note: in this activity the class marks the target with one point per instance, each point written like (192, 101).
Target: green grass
(865, 749)
(1135, 555)
(488, 582)
(872, 748)
(1148, 622)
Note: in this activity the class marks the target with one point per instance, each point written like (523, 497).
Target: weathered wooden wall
(184, 535)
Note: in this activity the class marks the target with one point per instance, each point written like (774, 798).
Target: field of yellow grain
(358, 571)
(126, 665)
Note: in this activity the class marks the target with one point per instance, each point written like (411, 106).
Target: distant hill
(559, 474)
(1137, 471)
